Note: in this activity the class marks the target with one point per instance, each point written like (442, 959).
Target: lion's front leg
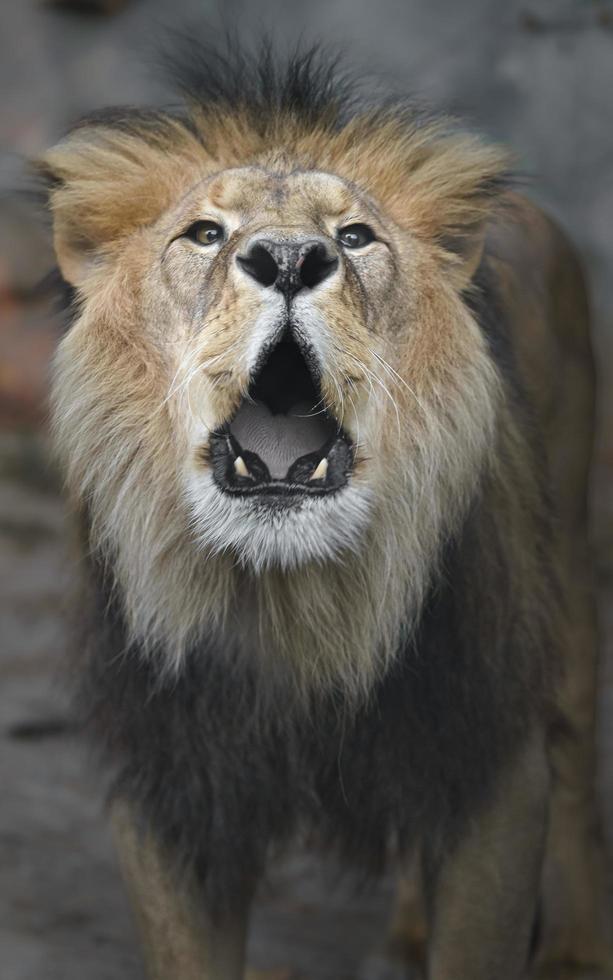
(403, 954)
(485, 893)
(577, 927)
(180, 940)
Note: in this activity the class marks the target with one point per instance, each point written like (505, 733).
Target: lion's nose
(289, 266)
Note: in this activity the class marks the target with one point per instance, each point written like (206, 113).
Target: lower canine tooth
(320, 472)
(239, 467)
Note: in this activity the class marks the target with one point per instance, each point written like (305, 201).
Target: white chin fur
(263, 537)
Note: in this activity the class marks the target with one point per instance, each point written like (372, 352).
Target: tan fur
(178, 939)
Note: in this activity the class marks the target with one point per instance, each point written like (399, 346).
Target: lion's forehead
(291, 193)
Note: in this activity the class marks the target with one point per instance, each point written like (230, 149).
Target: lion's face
(283, 292)
(273, 369)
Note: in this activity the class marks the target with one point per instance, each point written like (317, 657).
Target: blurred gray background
(536, 74)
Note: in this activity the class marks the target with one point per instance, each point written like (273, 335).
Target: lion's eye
(356, 236)
(205, 233)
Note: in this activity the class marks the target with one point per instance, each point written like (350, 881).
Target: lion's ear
(464, 251)
(466, 180)
(74, 247)
(106, 179)
(444, 186)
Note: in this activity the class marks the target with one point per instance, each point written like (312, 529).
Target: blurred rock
(28, 328)
(27, 342)
(26, 252)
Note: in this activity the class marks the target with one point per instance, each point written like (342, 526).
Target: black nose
(289, 266)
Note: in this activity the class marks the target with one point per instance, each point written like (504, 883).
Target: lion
(324, 413)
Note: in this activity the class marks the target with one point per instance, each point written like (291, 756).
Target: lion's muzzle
(282, 443)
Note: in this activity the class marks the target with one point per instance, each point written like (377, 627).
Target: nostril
(317, 265)
(289, 266)
(260, 265)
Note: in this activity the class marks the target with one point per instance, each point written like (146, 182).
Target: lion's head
(273, 402)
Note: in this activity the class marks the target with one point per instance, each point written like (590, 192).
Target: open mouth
(282, 441)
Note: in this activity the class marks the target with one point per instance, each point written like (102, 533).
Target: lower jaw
(274, 532)
(241, 473)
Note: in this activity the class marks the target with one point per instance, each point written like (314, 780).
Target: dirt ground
(538, 75)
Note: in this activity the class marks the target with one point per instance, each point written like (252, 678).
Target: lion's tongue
(281, 439)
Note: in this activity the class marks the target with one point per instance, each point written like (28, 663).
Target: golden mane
(120, 169)
(114, 176)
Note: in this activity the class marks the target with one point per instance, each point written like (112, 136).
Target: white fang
(321, 471)
(240, 467)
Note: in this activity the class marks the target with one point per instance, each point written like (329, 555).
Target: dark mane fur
(306, 83)
(412, 764)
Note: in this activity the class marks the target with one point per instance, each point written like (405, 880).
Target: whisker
(311, 415)
(393, 373)
(357, 420)
(185, 365)
(378, 380)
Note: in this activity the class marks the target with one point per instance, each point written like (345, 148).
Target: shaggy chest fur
(223, 773)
